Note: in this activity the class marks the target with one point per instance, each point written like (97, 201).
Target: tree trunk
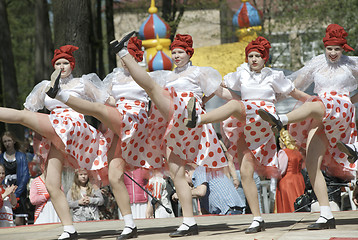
(112, 61)
(99, 40)
(43, 42)
(73, 25)
(9, 83)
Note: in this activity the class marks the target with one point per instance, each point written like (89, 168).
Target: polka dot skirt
(199, 145)
(339, 124)
(258, 136)
(84, 143)
(136, 150)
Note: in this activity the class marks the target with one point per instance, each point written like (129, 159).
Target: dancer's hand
(236, 183)
(175, 197)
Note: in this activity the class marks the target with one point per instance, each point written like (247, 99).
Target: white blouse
(199, 80)
(88, 87)
(258, 86)
(341, 77)
(120, 84)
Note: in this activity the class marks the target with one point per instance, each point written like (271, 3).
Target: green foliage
(22, 27)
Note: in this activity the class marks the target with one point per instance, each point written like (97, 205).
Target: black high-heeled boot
(190, 122)
(259, 228)
(54, 85)
(117, 46)
(276, 124)
(352, 153)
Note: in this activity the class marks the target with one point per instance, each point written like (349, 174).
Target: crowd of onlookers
(25, 200)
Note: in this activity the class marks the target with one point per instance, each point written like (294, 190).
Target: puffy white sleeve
(281, 84)
(354, 67)
(303, 78)
(209, 79)
(94, 89)
(36, 99)
(108, 82)
(232, 80)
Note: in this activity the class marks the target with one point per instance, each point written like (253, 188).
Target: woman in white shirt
(251, 141)
(324, 120)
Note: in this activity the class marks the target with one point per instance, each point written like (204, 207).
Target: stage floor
(290, 226)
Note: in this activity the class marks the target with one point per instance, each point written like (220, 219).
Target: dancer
(321, 121)
(252, 144)
(67, 136)
(199, 145)
(128, 121)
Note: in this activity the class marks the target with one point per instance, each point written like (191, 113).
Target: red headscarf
(65, 52)
(336, 36)
(260, 45)
(184, 42)
(135, 48)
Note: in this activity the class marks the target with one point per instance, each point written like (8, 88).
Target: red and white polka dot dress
(258, 91)
(85, 145)
(132, 103)
(333, 82)
(199, 145)
(258, 136)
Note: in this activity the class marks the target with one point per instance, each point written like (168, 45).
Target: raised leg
(232, 108)
(315, 110)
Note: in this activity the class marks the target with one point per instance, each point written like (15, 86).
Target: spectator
(39, 197)
(138, 198)
(292, 184)
(157, 185)
(9, 201)
(16, 172)
(217, 194)
(84, 198)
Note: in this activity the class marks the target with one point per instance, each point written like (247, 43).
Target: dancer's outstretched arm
(299, 95)
(226, 94)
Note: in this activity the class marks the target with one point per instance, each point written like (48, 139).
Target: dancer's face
(256, 62)
(180, 57)
(8, 143)
(65, 67)
(334, 53)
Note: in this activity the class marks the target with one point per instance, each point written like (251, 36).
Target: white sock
(123, 52)
(198, 120)
(190, 221)
(283, 119)
(128, 222)
(67, 229)
(62, 96)
(255, 223)
(325, 212)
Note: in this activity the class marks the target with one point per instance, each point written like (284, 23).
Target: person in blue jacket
(16, 172)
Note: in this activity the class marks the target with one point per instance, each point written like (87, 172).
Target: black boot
(259, 228)
(54, 85)
(330, 224)
(193, 230)
(133, 234)
(190, 122)
(276, 124)
(352, 153)
(117, 46)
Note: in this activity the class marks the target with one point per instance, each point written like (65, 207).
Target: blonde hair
(76, 186)
(287, 139)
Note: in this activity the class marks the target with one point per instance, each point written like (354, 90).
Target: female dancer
(66, 134)
(199, 145)
(129, 122)
(322, 121)
(252, 144)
